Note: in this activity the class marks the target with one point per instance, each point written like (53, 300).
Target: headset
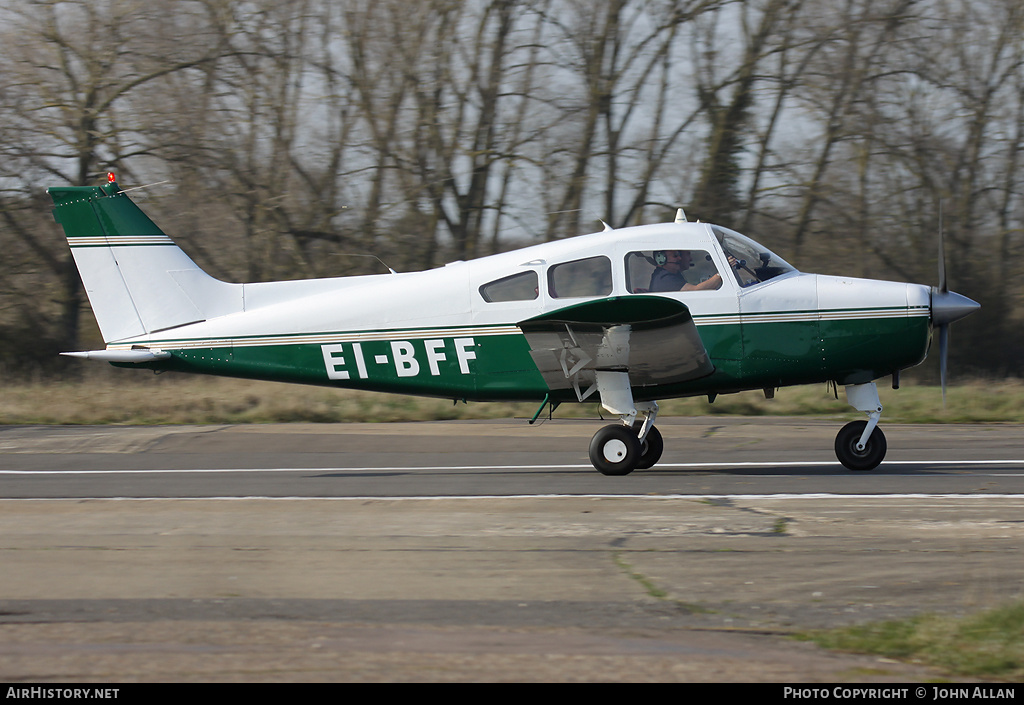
(661, 257)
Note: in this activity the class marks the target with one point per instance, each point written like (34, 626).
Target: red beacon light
(111, 177)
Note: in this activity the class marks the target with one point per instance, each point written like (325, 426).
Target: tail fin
(138, 281)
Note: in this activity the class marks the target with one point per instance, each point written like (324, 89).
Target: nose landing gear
(860, 445)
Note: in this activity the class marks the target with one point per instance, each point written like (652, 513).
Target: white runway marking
(435, 498)
(660, 466)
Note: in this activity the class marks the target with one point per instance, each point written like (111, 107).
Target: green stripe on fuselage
(483, 368)
(493, 367)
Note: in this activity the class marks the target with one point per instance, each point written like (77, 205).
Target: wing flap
(652, 338)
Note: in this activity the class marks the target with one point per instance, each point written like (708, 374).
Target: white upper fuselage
(450, 296)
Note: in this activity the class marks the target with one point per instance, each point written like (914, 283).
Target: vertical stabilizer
(138, 281)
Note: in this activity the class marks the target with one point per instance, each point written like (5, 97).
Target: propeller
(947, 307)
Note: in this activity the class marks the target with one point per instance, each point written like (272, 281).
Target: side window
(518, 287)
(580, 278)
(639, 266)
(671, 270)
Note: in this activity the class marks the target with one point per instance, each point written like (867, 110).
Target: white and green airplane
(625, 316)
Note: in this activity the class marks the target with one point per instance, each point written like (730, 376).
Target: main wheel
(846, 447)
(615, 450)
(651, 447)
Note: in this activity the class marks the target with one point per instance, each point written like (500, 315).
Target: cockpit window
(518, 287)
(753, 262)
(583, 277)
(671, 270)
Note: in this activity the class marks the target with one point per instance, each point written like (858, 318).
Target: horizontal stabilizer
(120, 355)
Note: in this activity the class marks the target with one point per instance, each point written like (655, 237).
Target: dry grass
(139, 397)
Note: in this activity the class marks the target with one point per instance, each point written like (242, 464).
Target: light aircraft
(625, 316)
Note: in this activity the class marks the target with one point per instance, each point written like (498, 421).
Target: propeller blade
(946, 306)
(943, 356)
(943, 286)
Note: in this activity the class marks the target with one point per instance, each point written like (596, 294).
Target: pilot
(668, 276)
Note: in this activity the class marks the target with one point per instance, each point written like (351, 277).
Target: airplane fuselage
(434, 333)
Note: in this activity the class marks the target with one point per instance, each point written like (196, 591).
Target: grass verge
(989, 644)
(139, 397)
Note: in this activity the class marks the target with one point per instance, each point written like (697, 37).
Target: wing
(651, 338)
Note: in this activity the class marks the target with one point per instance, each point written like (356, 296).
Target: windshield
(754, 263)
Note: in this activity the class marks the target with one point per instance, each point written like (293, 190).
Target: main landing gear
(619, 449)
(860, 445)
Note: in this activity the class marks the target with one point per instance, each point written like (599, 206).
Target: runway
(487, 550)
(703, 456)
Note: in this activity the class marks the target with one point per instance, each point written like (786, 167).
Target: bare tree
(65, 91)
(728, 104)
(447, 129)
(846, 67)
(623, 115)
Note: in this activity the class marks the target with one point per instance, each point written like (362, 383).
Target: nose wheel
(860, 458)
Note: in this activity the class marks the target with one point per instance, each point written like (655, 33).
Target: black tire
(615, 450)
(846, 447)
(651, 447)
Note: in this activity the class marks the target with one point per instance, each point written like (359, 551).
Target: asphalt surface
(488, 551)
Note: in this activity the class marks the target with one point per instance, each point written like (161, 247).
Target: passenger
(668, 276)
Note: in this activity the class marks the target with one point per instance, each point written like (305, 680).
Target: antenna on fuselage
(680, 216)
(354, 254)
(112, 179)
(606, 226)
(136, 188)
